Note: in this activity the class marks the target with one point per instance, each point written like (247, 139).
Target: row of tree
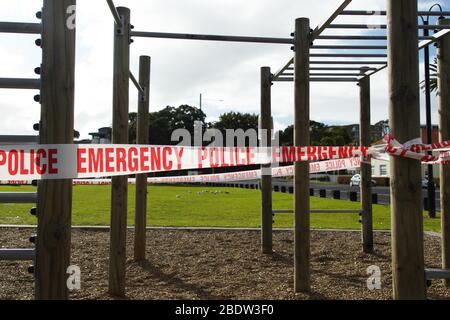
(164, 122)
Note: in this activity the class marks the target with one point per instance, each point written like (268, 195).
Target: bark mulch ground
(221, 265)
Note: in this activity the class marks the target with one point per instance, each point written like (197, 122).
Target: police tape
(279, 172)
(96, 161)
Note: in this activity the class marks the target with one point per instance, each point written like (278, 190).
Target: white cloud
(181, 70)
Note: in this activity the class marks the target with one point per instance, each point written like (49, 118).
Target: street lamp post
(429, 126)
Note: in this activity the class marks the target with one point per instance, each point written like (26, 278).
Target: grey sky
(181, 70)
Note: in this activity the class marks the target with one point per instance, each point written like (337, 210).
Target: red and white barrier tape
(288, 171)
(95, 161)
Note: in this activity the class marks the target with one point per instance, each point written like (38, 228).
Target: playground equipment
(56, 127)
(20, 197)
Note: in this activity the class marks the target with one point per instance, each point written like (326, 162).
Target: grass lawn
(187, 206)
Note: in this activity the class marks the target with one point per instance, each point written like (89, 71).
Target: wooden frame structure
(409, 273)
(57, 118)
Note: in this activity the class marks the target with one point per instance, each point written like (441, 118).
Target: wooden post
(266, 178)
(444, 130)
(57, 116)
(140, 221)
(366, 168)
(406, 193)
(302, 138)
(119, 190)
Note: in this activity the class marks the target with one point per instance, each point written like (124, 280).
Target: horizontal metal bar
(209, 37)
(18, 197)
(136, 83)
(318, 211)
(349, 62)
(383, 26)
(345, 37)
(323, 26)
(345, 47)
(375, 71)
(17, 254)
(340, 69)
(433, 274)
(333, 79)
(383, 13)
(17, 83)
(284, 68)
(282, 211)
(328, 74)
(435, 37)
(336, 74)
(347, 55)
(114, 12)
(18, 139)
(335, 211)
(283, 79)
(19, 27)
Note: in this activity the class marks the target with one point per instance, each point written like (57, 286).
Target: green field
(181, 206)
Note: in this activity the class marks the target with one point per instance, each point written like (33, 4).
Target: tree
(235, 121)
(433, 77)
(164, 122)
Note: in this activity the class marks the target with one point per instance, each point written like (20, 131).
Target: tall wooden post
(406, 193)
(444, 130)
(266, 179)
(57, 116)
(366, 168)
(140, 221)
(302, 138)
(119, 190)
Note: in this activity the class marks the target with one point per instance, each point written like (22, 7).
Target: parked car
(355, 181)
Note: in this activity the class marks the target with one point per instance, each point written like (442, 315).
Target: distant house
(381, 169)
(377, 131)
(103, 136)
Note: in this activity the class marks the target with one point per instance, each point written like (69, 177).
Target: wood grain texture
(140, 218)
(444, 135)
(404, 114)
(57, 127)
(302, 277)
(366, 168)
(119, 189)
(266, 179)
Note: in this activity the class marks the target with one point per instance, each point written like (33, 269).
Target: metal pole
(211, 37)
(443, 55)
(431, 188)
(17, 27)
(18, 197)
(141, 179)
(366, 168)
(119, 190)
(302, 278)
(16, 83)
(404, 113)
(57, 118)
(19, 140)
(17, 254)
(362, 63)
(266, 178)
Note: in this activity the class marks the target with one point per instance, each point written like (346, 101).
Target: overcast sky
(181, 70)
